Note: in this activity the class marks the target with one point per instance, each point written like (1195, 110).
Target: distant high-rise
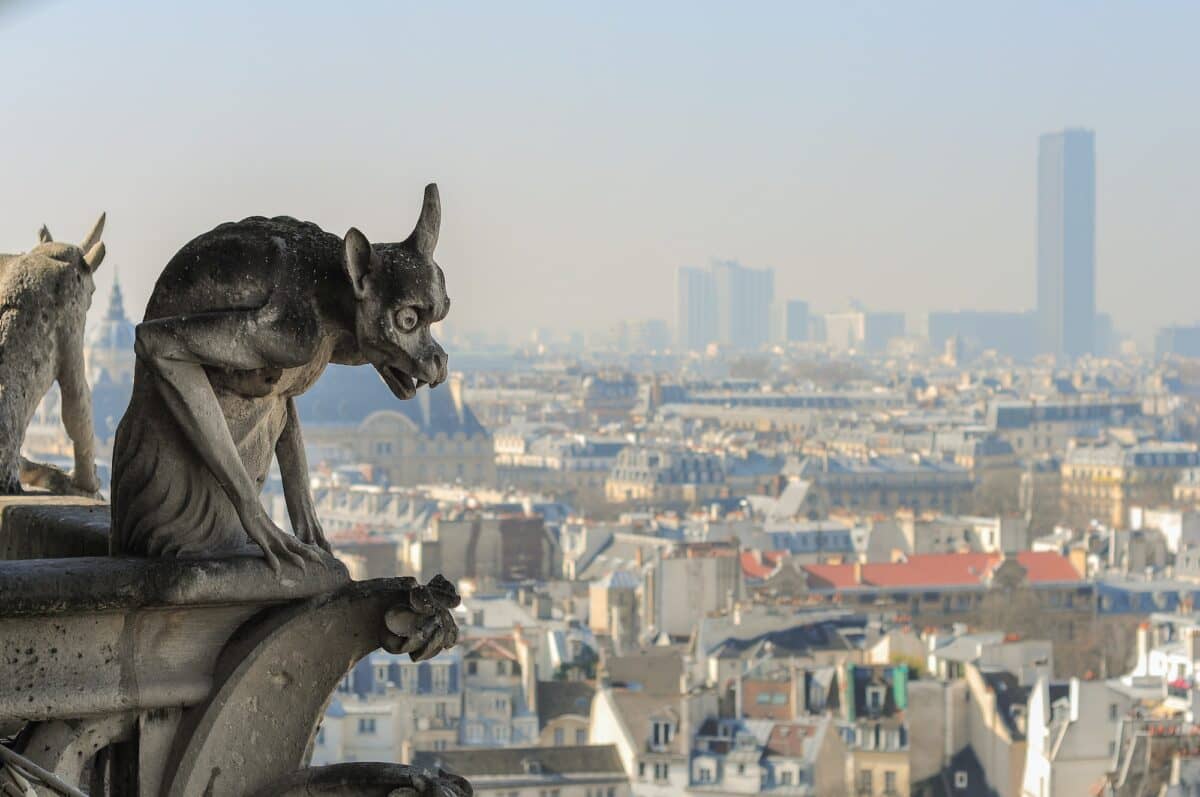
(863, 331)
(744, 298)
(790, 321)
(697, 322)
(727, 303)
(1066, 256)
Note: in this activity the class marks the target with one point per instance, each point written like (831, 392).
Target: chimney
(1143, 649)
(858, 572)
(639, 556)
(455, 383)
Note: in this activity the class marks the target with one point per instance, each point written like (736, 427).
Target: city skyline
(874, 154)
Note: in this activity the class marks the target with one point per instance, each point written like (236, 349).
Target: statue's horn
(94, 236)
(44, 236)
(425, 235)
(94, 256)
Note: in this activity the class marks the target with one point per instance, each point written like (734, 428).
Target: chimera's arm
(293, 468)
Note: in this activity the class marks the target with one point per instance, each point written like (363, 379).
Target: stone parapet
(125, 675)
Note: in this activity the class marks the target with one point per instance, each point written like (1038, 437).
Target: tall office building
(728, 304)
(697, 321)
(1066, 257)
(790, 321)
(744, 298)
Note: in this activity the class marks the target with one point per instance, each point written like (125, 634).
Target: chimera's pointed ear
(94, 257)
(424, 236)
(358, 259)
(93, 237)
(44, 236)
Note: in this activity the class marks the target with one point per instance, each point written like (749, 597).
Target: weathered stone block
(51, 527)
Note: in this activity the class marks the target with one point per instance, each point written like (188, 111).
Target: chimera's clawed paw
(426, 626)
(276, 544)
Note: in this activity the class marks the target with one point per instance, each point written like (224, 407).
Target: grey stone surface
(203, 672)
(242, 320)
(44, 298)
(44, 587)
(369, 780)
(51, 527)
(272, 683)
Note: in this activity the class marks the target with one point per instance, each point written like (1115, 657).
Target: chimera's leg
(77, 416)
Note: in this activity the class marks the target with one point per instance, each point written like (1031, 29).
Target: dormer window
(875, 696)
(661, 733)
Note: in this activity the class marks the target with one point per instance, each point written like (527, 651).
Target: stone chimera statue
(242, 320)
(44, 298)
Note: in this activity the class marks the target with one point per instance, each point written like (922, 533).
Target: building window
(960, 780)
(875, 698)
(704, 775)
(441, 680)
(366, 725)
(472, 668)
(641, 769)
(501, 667)
(662, 734)
(560, 737)
(580, 736)
(889, 782)
(785, 778)
(865, 781)
(1112, 712)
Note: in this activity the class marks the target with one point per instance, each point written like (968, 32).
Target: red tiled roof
(939, 570)
(1048, 566)
(787, 739)
(760, 564)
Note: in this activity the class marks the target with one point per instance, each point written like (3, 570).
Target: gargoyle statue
(44, 298)
(242, 320)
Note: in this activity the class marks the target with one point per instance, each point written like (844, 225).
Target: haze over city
(881, 154)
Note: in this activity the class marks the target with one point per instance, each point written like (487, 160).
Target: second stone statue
(242, 320)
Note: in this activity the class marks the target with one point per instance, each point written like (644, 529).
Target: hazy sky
(883, 152)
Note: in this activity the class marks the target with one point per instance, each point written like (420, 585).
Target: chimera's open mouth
(399, 381)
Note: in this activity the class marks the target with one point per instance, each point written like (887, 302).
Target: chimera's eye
(406, 319)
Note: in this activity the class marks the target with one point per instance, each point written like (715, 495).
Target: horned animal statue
(44, 298)
(242, 320)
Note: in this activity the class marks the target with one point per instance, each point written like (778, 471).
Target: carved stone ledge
(368, 780)
(34, 526)
(219, 671)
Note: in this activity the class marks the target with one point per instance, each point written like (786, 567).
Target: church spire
(116, 302)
